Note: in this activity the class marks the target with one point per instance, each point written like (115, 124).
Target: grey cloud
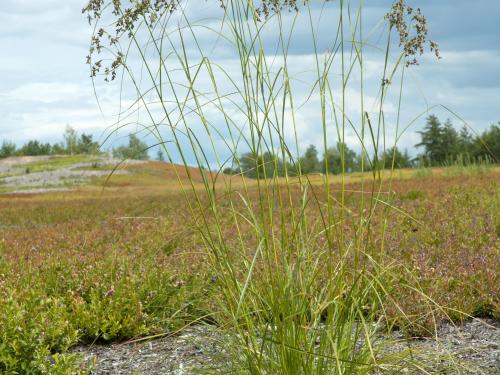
(46, 42)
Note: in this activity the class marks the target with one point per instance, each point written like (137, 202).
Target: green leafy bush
(36, 333)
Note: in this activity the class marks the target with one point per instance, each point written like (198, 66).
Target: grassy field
(101, 265)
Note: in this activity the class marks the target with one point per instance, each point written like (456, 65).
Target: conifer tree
(465, 140)
(449, 141)
(487, 146)
(432, 136)
(7, 149)
(394, 156)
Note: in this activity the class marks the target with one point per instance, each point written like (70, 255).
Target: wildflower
(110, 292)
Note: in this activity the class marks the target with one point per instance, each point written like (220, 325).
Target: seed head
(411, 26)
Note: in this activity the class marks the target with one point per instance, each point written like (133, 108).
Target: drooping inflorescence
(410, 24)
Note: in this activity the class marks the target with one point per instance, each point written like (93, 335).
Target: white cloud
(48, 92)
(44, 82)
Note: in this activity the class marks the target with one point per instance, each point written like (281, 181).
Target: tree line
(73, 144)
(441, 144)
(335, 160)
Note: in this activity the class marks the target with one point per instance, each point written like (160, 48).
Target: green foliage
(414, 195)
(432, 136)
(136, 149)
(70, 140)
(58, 149)
(54, 162)
(229, 171)
(269, 165)
(465, 138)
(35, 148)
(7, 149)
(309, 163)
(336, 158)
(443, 145)
(422, 171)
(488, 144)
(34, 329)
(160, 156)
(72, 145)
(339, 159)
(450, 141)
(265, 165)
(392, 157)
(86, 145)
(43, 314)
(76, 145)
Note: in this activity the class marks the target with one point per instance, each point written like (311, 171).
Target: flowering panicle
(411, 26)
(128, 14)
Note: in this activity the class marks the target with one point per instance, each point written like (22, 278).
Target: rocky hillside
(54, 173)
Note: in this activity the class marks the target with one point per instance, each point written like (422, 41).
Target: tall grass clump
(301, 271)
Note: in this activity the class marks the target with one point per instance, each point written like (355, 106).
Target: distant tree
(442, 143)
(401, 160)
(159, 155)
(432, 141)
(350, 159)
(488, 144)
(309, 163)
(406, 161)
(465, 140)
(450, 141)
(229, 170)
(70, 140)
(287, 166)
(35, 148)
(58, 149)
(363, 165)
(252, 165)
(331, 161)
(136, 149)
(265, 165)
(45, 149)
(335, 156)
(7, 149)
(86, 145)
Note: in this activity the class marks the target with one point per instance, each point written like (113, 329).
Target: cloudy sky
(45, 85)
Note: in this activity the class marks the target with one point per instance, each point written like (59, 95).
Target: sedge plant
(303, 283)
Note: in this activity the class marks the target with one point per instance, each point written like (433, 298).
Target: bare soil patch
(15, 173)
(473, 348)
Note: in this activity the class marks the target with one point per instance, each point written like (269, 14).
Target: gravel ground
(474, 348)
(9, 164)
(15, 176)
(195, 349)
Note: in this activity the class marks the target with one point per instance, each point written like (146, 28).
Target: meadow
(303, 265)
(101, 265)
